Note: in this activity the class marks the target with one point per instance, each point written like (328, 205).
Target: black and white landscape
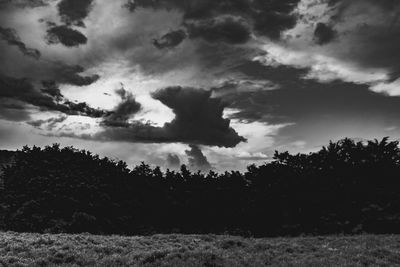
(258, 118)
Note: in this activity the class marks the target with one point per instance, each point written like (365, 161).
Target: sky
(215, 85)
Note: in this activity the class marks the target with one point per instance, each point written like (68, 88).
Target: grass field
(196, 250)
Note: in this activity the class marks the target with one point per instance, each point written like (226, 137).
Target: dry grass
(196, 250)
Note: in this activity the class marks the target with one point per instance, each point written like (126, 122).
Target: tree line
(346, 187)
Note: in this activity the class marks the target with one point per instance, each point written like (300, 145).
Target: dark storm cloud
(198, 117)
(24, 3)
(135, 132)
(219, 58)
(74, 11)
(195, 9)
(274, 16)
(15, 64)
(51, 88)
(173, 161)
(324, 33)
(310, 113)
(197, 160)
(377, 47)
(207, 57)
(299, 99)
(268, 17)
(225, 28)
(21, 90)
(198, 120)
(65, 35)
(50, 123)
(170, 39)
(121, 114)
(369, 34)
(13, 110)
(81, 108)
(11, 37)
(70, 74)
(159, 47)
(385, 4)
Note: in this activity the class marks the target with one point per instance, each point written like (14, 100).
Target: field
(25, 249)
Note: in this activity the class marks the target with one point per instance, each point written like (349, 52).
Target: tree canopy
(345, 187)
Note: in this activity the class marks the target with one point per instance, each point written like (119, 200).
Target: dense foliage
(346, 187)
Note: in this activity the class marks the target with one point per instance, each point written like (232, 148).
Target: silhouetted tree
(346, 187)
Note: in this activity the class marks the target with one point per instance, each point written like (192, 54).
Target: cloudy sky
(211, 84)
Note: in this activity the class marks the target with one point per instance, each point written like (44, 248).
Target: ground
(24, 249)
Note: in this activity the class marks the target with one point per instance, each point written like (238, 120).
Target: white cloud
(321, 67)
(391, 89)
(260, 141)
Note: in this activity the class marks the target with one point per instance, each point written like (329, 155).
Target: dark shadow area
(347, 187)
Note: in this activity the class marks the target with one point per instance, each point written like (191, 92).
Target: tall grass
(23, 249)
